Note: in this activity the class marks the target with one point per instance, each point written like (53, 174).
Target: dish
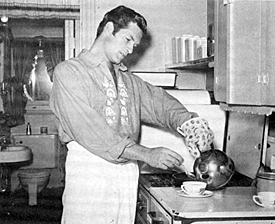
(204, 195)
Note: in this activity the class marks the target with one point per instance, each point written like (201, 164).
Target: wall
(165, 19)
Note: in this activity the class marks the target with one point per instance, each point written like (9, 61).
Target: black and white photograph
(137, 112)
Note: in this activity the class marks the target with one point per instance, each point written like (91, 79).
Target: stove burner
(159, 180)
(167, 180)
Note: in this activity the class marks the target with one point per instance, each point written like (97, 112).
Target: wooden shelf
(203, 63)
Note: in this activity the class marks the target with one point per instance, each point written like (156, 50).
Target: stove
(168, 180)
(157, 180)
(149, 207)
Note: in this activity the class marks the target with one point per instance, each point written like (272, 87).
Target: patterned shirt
(101, 117)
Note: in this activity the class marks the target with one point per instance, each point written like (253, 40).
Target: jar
(189, 47)
(265, 182)
(270, 153)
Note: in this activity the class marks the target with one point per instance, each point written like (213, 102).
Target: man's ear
(109, 28)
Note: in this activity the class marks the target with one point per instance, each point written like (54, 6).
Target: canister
(189, 48)
(204, 47)
(201, 48)
(175, 50)
(182, 48)
(270, 153)
(265, 182)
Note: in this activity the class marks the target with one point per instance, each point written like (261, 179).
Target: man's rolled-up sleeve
(160, 108)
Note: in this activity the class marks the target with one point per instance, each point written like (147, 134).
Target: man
(99, 106)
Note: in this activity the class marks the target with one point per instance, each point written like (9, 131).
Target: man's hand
(198, 136)
(163, 158)
(193, 114)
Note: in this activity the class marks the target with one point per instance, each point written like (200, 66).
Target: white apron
(97, 191)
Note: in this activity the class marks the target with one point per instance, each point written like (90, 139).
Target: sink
(14, 153)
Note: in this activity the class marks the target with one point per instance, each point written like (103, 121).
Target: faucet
(3, 143)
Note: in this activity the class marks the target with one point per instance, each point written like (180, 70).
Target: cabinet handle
(140, 206)
(265, 79)
(258, 146)
(217, 80)
(259, 78)
(155, 218)
(225, 2)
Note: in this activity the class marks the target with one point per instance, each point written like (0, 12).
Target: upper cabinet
(244, 52)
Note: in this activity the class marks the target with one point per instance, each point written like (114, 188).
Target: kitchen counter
(228, 203)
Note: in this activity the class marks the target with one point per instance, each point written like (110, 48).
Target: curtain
(7, 82)
(23, 54)
(40, 9)
(23, 61)
(54, 54)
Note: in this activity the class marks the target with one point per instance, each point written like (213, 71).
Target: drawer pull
(155, 218)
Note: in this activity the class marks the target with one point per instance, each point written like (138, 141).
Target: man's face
(122, 43)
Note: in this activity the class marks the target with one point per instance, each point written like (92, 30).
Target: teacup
(193, 187)
(265, 199)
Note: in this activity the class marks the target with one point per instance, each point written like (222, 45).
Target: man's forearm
(159, 157)
(137, 152)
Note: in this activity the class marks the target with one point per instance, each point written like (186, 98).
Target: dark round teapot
(214, 167)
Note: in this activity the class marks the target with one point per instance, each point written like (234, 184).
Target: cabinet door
(269, 43)
(142, 206)
(157, 213)
(238, 52)
(244, 141)
(220, 72)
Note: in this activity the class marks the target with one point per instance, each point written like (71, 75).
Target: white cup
(265, 199)
(193, 187)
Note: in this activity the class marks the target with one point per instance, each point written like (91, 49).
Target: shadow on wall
(132, 59)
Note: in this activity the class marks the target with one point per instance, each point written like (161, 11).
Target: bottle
(28, 129)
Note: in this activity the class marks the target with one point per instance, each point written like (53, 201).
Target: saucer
(205, 194)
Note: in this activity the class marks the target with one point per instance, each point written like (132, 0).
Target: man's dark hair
(121, 16)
